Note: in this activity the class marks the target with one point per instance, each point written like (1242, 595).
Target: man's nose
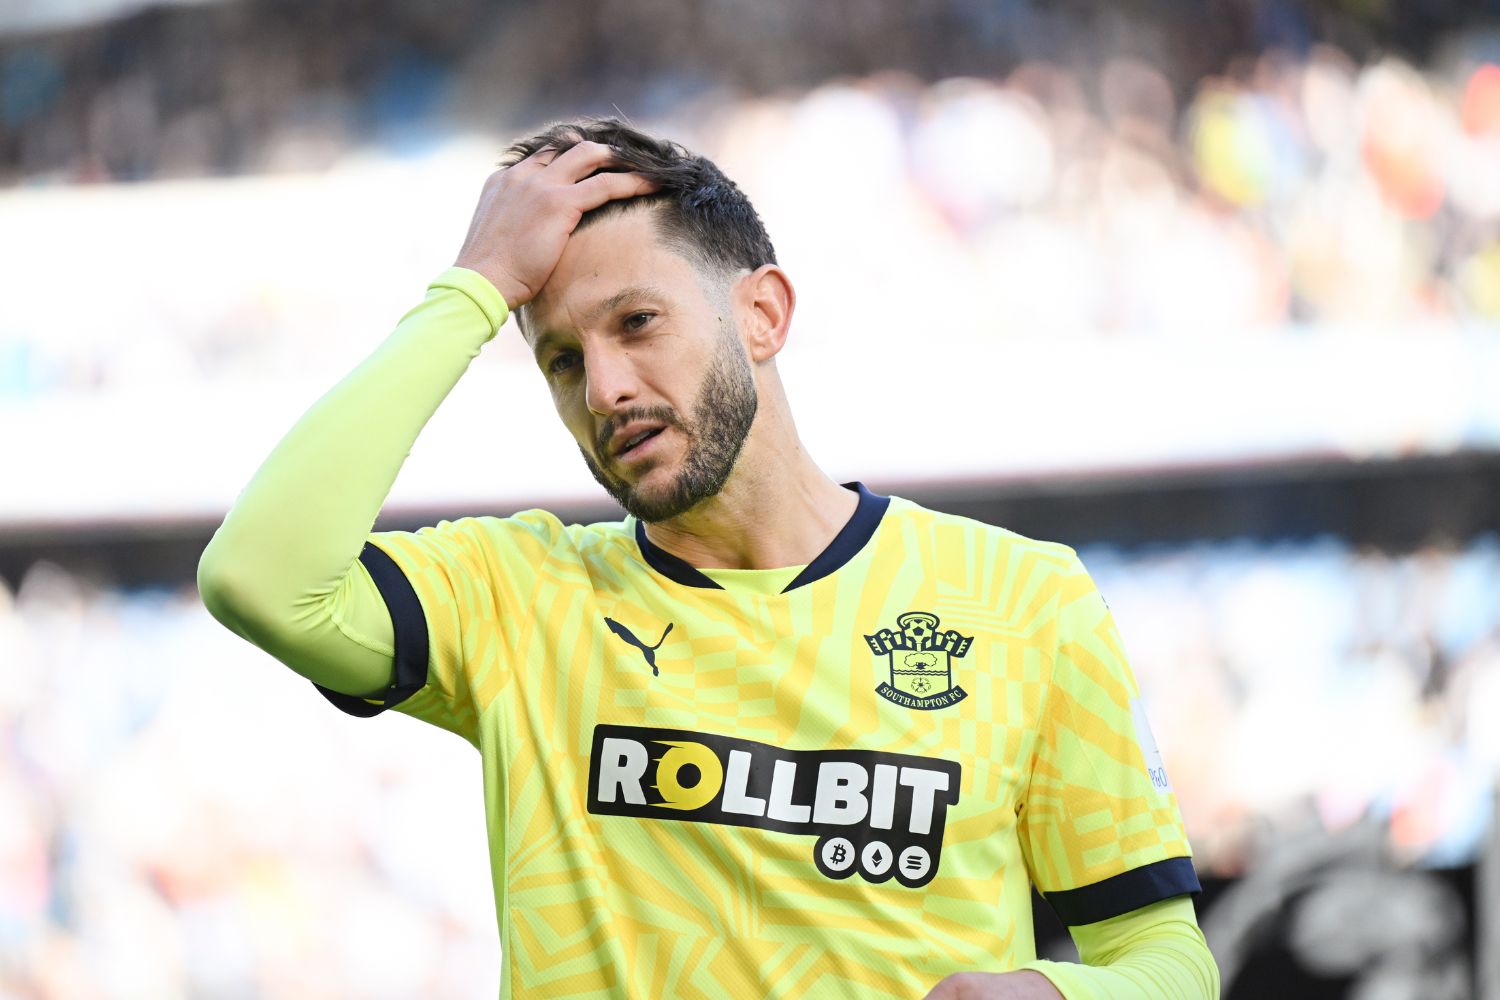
(610, 377)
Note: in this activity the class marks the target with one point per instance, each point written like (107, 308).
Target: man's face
(645, 365)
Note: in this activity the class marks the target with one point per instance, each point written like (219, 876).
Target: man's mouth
(627, 446)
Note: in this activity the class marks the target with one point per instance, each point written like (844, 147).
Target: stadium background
(1207, 290)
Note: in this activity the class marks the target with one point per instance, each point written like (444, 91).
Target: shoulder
(527, 537)
(949, 534)
(1037, 582)
(544, 532)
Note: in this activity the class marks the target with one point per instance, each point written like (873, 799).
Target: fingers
(584, 168)
(580, 161)
(548, 155)
(530, 164)
(609, 186)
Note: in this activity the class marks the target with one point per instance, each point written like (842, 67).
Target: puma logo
(649, 652)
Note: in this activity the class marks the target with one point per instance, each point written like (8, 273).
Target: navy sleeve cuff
(1125, 892)
(409, 625)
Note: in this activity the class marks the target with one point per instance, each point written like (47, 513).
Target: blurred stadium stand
(1243, 257)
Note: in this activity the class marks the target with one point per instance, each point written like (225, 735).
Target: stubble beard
(722, 415)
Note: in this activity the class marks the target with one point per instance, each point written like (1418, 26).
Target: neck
(776, 509)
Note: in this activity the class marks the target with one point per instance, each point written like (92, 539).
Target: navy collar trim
(850, 539)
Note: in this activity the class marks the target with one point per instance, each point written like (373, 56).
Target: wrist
(513, 292)
(478, 289)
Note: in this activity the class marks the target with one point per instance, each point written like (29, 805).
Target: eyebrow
(609, 305)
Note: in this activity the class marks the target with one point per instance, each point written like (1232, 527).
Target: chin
(655, 484)
(651, 490)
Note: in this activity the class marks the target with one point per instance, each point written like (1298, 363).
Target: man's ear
(765, 301)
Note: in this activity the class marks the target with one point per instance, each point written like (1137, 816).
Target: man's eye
(562, 362)
(636, 321)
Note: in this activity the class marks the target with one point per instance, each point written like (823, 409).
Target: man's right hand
(527, 212)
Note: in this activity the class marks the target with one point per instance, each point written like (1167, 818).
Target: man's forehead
(605, 266)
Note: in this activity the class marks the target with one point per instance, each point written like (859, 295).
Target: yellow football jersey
(845, 785)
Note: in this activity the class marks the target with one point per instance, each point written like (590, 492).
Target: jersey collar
(850, 539)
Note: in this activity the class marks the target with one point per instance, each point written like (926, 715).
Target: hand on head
(527, 211)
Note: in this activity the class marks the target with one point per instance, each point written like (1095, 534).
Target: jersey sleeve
(457, 593)
(1155, 953)
(1100, 827)
(284, 570)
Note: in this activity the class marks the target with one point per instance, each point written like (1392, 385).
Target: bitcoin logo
(836, 856)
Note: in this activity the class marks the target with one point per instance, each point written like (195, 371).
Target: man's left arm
(1100, 830)
(1154, 953)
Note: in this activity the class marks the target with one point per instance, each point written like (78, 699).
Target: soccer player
(768, 735)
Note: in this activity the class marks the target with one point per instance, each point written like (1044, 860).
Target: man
(769, 735)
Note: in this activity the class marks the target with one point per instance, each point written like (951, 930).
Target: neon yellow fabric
(1155, 953)
(848, 789)
(282, 570)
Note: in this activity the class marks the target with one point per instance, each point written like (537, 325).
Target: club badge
(920, 658)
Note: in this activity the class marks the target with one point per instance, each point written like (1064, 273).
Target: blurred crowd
(182, 816)
(1312, 685)
(1017, 189)
(1289, 197)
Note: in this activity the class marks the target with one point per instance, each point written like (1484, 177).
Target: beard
(722, 414)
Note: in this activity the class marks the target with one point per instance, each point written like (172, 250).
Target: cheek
(574, 414)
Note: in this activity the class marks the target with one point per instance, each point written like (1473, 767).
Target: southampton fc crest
(921, 661)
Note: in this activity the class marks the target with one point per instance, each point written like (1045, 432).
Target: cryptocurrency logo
(837, 855)
(915, 862)
(868, 809)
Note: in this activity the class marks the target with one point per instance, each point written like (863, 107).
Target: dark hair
(702, 214)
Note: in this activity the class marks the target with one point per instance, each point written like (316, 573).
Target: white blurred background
(1207, 290)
